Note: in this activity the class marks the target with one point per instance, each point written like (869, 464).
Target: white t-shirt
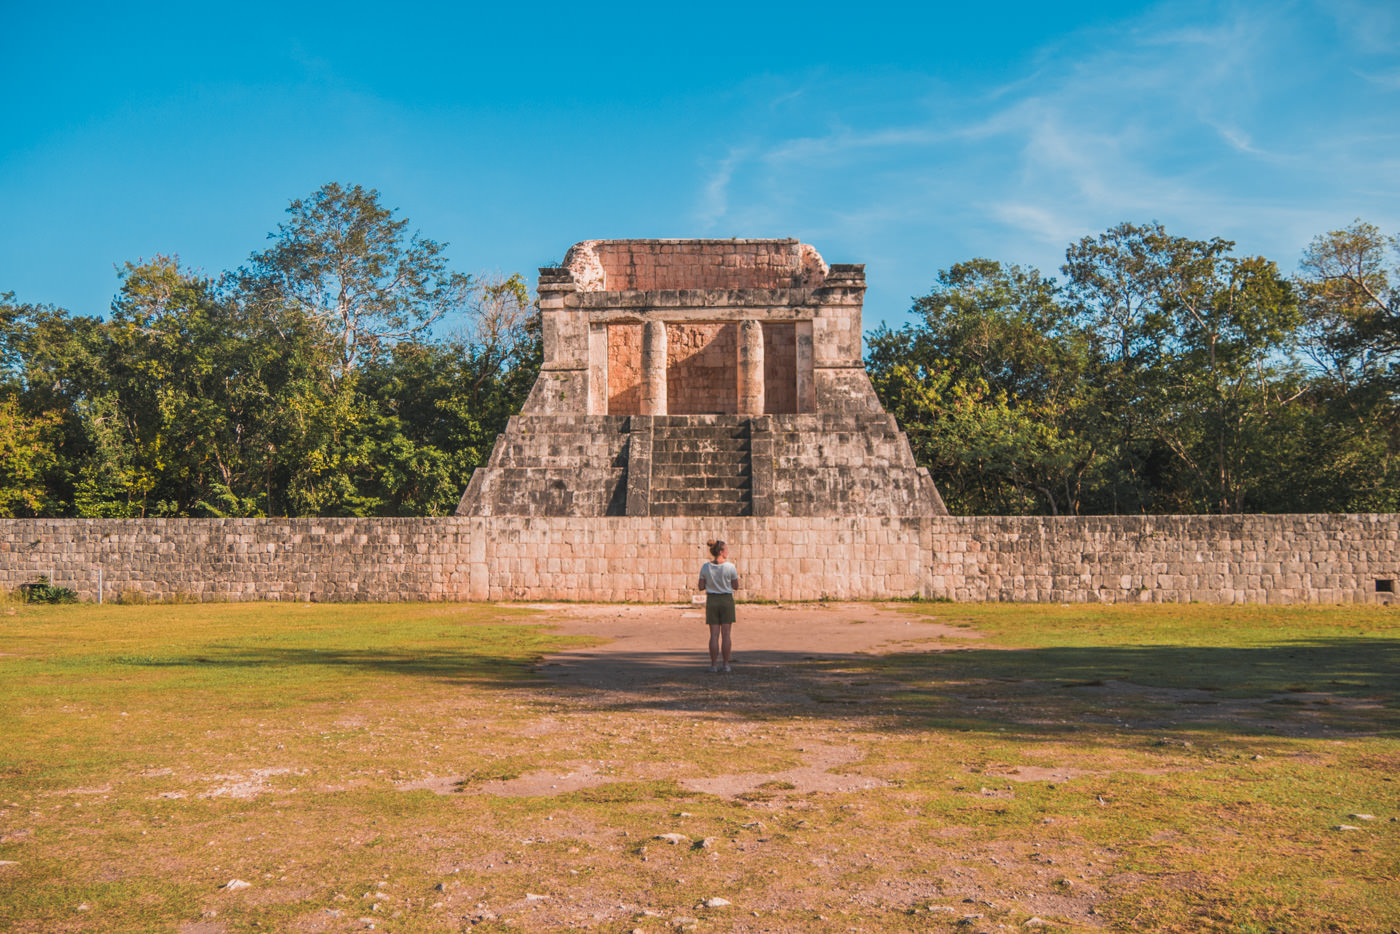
(719, 578)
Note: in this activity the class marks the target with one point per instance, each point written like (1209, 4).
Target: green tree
(175, 368)
(55, 366)
(989, 386)
(1114, 288)
(27, 454)
(444, 403)
(1188, 359)
(344, 262)
(1229, 324)
(1348, 285)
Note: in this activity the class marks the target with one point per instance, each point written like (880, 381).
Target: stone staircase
(701, 466)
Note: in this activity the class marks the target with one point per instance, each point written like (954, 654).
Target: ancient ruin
(701, 378)
(695, 389)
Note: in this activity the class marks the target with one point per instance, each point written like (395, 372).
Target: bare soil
(651, 646)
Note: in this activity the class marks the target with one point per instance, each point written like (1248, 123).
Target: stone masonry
(1105, 559)
(701, 378)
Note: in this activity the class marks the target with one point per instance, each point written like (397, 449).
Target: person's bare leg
(727, 645)
(714, 644)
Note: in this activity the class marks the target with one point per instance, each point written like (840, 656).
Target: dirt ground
(658, 656)
(653, 645)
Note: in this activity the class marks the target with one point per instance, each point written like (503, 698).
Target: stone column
(751, 367)
(654, 368)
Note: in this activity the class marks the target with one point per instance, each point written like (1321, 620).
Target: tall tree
(27, 439)
(1114, 286)
(988, 385)
(345, 262)
(443, 403)
(1349, 281)
(1230, 323)
(1187, 344)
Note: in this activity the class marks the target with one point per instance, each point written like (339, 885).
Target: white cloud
(1388, 80)
(714, 200)
(1043, 224)
(1246, 124)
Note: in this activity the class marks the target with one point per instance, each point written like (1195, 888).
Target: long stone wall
(1212, 559)
(241, 559)
(1166, 559)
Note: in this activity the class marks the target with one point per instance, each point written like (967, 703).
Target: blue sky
(906, 137)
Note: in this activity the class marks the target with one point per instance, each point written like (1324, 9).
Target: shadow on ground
(1310, 687)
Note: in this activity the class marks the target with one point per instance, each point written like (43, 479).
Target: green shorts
(719, 608)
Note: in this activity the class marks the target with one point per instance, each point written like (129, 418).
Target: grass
(1101, 768)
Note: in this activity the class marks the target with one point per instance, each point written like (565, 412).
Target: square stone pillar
(806, 387)
(598, 369)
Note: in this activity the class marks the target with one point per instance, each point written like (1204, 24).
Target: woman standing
(718, 578)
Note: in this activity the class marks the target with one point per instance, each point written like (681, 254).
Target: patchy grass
(1175, 768)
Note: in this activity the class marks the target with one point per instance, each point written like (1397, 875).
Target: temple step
(701, 466)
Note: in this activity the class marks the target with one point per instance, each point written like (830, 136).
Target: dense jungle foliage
(1163, 375)
(307, 382)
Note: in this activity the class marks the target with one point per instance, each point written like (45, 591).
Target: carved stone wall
(700, 367)
(624, 368)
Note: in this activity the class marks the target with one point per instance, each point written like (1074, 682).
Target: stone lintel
(678, 315)
(700, 298)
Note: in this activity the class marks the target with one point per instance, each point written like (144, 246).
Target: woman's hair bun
(715, 548)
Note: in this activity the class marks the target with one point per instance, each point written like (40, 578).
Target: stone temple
(701, 378)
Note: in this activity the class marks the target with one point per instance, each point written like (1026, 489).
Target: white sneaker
(726, 669)
(714, 668)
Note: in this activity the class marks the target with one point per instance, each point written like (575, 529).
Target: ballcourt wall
(1209, 559)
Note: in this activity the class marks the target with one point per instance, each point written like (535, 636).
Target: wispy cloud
(1215, 122)
(1373, 26)
(714, 200)
(1388, 80)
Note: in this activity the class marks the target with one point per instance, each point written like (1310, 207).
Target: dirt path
(652, 646)
(787, 657)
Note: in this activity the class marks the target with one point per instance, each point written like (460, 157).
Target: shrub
(41, 591)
